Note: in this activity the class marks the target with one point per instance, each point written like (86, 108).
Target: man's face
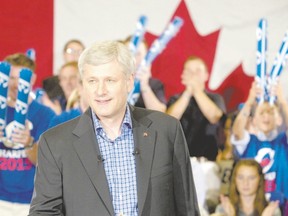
(107, 88)
(194, 70)
(13, 83)
(68, 79)
(72, 53)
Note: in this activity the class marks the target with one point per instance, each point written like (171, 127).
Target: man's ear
(130, 82)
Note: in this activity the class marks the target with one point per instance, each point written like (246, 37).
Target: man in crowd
(198, 110)
(17, 163)
(115, 159)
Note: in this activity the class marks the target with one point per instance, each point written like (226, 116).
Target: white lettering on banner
(4, 80)
(3, 103)
(270, 176)
(17, 125)
(2, 123)
(270, 182)
(266, 162)
(21, 107)
(10, 153)
(24, 86)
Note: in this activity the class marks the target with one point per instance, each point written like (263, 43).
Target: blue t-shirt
(16, 170)
(273, 157)
(65, 116)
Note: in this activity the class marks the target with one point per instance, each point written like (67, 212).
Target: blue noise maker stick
(261, 58)
(22, 97)
(156, 48)
(21, 106)
(278, 65)
(38, 95)
(31, 53)
(137, 38)
(4, 78)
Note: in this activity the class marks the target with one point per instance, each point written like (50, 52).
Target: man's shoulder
(62, 129)
(39, 114)
(59, 139)
(66, 116)
(213, 94)
(35, 107)
(173, 98)
(217, 99)
(155, 81)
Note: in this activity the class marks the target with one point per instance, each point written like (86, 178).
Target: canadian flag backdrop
(221, 32)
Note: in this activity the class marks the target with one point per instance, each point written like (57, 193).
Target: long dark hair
(260, 201)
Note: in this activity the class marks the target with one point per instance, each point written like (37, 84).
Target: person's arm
(209, 109)
(239, 125)
(30, 145)
(32, 152)
(178, 108)
(150, 99)
(283, 105)
(47, 195)
(184, 188)
(1, 133)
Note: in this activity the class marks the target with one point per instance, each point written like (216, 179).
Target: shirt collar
(126, 121)
(271, 136)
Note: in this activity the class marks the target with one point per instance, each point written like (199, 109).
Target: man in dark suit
(115, 159)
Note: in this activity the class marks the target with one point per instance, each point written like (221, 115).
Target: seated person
(247, 195)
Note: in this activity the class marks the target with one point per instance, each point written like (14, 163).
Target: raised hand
(143, 75)
(22, 136)
(227, 205)
(271, 208)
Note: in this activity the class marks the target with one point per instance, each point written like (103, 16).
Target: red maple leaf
(168, 66)
(24, 26)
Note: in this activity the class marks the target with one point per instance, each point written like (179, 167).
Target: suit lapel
(88, 151)
(144, 139)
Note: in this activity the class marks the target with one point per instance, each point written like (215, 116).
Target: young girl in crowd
(246, 194)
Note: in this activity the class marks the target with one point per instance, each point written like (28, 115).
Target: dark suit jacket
(70, 178)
